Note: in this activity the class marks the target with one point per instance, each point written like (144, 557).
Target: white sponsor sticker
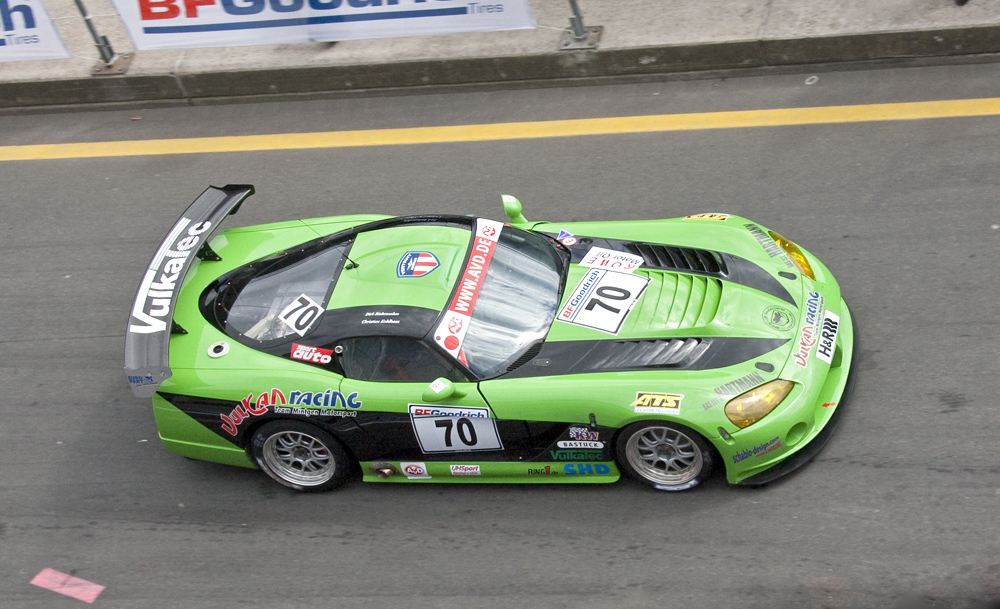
(602, 300)
(827, 342)
(441, 429)
(465, 470)
(414, 470)
(301, 314)
(611, 260)
(579, 444)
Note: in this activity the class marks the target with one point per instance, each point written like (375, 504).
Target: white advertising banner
(28, 32)
(176, 24)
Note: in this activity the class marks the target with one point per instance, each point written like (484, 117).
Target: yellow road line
(510, 131)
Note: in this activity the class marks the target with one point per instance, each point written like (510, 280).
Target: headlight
(794, 253)
(745, 410)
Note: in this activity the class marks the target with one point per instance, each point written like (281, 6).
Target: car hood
(689, 308)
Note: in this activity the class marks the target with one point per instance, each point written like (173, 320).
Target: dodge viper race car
(457, 349)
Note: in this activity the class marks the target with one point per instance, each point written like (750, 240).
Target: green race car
(457, 349)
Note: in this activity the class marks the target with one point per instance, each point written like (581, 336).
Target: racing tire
(665, 456)
(300, 456)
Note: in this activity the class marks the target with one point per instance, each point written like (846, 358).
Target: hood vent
(672, 258)
(632, 354)
(673, 301)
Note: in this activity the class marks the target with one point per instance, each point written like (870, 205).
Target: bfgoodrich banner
(174, 24)
(28, 32)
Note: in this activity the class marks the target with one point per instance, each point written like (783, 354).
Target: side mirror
(441, 389)
(512, 207)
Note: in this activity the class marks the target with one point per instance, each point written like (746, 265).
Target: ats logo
(656, 403)
(416, 264)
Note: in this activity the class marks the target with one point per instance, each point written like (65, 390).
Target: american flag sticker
(416, 264)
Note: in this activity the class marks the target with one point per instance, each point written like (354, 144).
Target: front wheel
(300, 456)
(665, 456)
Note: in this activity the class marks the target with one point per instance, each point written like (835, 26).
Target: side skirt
(494, 472)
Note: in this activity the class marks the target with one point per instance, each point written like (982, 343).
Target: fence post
(579, 36)
(111, 65)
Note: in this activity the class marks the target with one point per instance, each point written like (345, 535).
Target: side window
(395, 359)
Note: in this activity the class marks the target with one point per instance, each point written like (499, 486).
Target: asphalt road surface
(901, 509)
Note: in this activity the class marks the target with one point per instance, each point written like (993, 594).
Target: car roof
(412, 265)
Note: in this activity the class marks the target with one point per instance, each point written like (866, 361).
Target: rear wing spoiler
(147, 340)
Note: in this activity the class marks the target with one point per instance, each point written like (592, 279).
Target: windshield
(517, 302)
(277, 298)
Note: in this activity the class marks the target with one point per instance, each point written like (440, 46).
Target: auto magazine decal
(602, 300)
(450, 333)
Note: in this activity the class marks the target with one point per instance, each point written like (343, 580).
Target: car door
(415, 402)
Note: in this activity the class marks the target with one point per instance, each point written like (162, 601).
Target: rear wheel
(666, 456)
(300, 456)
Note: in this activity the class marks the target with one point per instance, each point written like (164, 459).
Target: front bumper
(812, 447)
(787, 439)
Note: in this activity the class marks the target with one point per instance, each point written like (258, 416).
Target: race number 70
(300, 314)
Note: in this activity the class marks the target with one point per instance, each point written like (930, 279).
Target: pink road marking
(62, 583)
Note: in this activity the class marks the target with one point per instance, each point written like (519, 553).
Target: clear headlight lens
(794, 253)
(745, 410)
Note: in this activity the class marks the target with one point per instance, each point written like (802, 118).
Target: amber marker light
(794, 253)
(745, 410)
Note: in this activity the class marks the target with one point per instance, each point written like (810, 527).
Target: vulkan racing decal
(611, 260)
(602, 300)
(416, 264)
(450, 333)
(442, 429)
(159, 285)
(657, 403)
(809, 333)
(329, 403)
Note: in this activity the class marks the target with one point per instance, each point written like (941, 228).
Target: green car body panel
(762, 328)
